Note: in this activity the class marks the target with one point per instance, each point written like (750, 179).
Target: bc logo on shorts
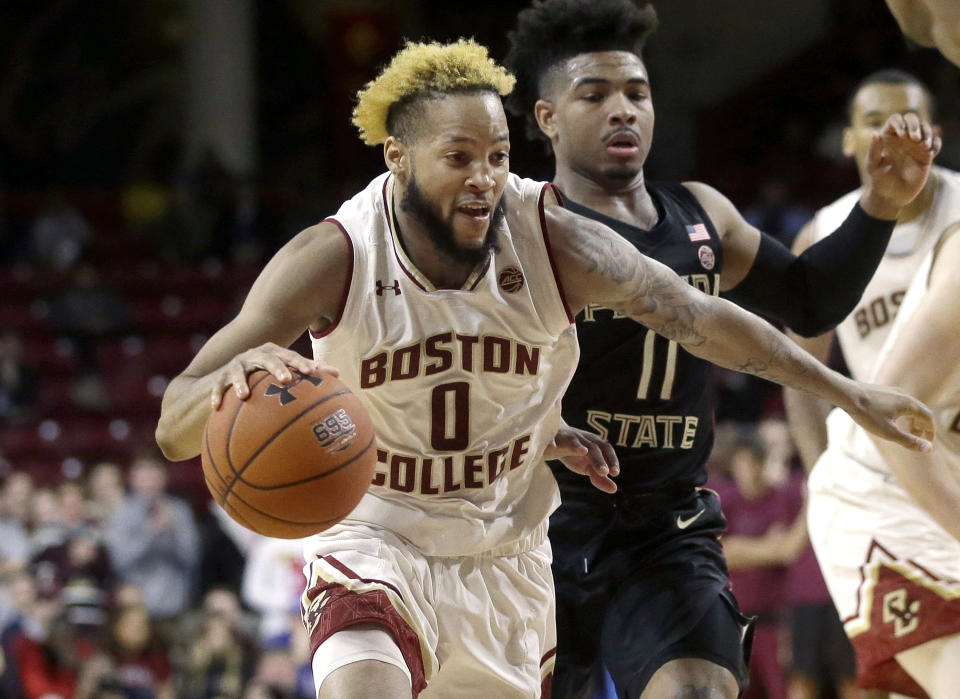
(335, 432)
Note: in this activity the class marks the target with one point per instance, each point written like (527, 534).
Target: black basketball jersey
(643, 393)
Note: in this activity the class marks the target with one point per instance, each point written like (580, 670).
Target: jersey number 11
(646, 370)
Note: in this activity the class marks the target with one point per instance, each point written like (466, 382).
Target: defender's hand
(892, 414)
(898, 164)
(585, 453)
(276, 359)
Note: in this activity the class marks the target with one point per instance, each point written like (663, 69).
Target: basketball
(290, 460)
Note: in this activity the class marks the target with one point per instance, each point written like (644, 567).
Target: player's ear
(848, 143)
(396, 156)
(546, 116)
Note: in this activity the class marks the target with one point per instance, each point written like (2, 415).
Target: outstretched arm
(926, 362)
(596, 265)
(807, 414)
(299, 288)
(814, 290)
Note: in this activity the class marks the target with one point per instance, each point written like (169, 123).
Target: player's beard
(441, 232)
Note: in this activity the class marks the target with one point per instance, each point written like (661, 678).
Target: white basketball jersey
(463, 385)
(864, 331)
(843, 433)
(947, 408)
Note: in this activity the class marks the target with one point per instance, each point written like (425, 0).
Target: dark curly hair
(551, 31)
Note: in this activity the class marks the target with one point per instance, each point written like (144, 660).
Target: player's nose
(481, 178)
(622, 111)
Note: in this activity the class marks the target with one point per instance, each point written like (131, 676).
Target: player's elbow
(167, 439)
(816, 318)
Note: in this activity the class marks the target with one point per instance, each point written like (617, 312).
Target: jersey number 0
(446, 400)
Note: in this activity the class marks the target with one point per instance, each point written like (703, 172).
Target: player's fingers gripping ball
(292, 459)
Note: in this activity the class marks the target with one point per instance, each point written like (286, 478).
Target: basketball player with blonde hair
(444, 293)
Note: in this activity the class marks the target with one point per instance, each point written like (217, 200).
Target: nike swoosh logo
(684, 523)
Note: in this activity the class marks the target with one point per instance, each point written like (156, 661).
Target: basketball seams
(279, 431)
(236, 416)
(267, 515)
(211, 460)
(318, 476)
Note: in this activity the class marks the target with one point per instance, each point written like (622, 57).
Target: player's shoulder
(520, 190)
(712, 200)
(323, 245)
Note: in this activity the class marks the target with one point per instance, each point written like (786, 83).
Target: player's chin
(623, 172)
(471, 239)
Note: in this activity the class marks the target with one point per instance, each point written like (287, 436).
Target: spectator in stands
(272, 584)
(79, 570)
(49, 656)
(140, 664)
(759, 542)
(18, 381)
(46, 525)
(153, 542)
(87, 313)
(821, 654)
(59, 235)
(223, 561)
(104, 491)
(73, 505)
(277, 675)
(14, 517)
(219, 657)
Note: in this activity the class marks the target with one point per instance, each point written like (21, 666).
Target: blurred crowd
(104, 593)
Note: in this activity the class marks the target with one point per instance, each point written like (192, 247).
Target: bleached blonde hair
(424, 70)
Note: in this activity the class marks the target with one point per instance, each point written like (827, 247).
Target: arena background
(153, 155)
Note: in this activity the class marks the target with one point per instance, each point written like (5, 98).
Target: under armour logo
(395, 287)
(901, 611)
(284, 391)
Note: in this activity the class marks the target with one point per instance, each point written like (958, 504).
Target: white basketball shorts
(892, 571)
(474, 626)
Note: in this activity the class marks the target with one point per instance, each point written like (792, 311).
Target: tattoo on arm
(668, 306)
(653, 295)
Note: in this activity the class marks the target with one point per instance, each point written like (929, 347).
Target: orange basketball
(290, 460)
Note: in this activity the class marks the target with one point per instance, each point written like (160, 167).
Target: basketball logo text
(335, 432)
(511, 280)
